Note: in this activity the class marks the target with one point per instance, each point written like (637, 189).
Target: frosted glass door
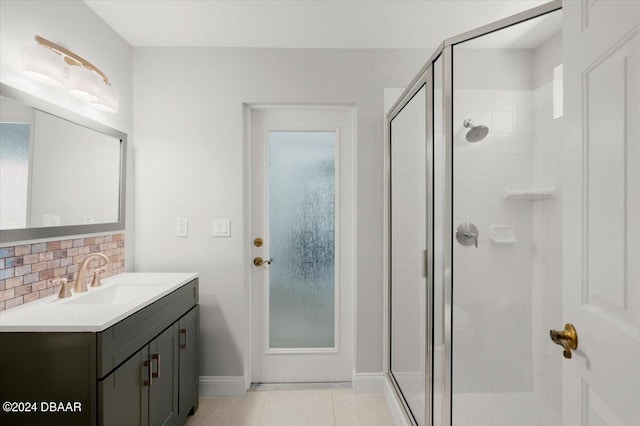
(302, 239)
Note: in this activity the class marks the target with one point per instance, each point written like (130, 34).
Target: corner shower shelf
(530, 194)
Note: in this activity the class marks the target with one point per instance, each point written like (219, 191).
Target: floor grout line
(333, 407)
(264, 402)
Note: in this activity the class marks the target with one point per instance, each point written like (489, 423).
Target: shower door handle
(425, 263)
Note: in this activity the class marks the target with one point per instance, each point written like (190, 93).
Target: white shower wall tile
(481, 99)
(492, 284)
(543, 107)
(502, 100)
(502, 121)
(506, 296)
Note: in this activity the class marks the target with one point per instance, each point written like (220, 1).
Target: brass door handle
(567, 338)
(258, 261)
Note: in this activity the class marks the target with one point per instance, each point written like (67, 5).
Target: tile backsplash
(27, 270)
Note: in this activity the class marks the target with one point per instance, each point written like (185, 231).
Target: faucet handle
(64, 290)
(97, 282)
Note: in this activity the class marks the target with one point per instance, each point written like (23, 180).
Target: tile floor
(321, 407)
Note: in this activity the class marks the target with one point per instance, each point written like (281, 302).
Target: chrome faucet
(81, 282)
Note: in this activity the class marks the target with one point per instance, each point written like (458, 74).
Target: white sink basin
(96, 310)
(114, 295)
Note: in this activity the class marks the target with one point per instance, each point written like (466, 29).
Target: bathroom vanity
(122, 354)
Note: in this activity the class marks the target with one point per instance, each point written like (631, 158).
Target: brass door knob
(567, 338)
(258, 261)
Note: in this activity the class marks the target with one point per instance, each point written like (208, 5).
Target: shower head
(476, 132)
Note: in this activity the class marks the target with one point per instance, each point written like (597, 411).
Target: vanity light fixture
(50, 63)
(43, 64)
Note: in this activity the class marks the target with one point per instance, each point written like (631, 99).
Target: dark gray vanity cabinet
(163, 390)
(144, 390)
(124, 400)
(189, 364)
(142, 371)
(189, 329)
(158, 385)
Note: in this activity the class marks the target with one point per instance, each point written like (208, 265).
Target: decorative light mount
(70, 57)
(86, 81)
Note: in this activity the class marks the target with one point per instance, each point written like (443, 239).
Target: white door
(601, 296)
(303, 209)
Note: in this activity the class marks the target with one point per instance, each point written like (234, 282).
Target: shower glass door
(408, 297)
(507, 236)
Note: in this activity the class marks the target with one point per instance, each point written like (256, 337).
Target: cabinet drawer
(117, 343)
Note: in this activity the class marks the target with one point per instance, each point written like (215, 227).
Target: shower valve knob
(467, 234)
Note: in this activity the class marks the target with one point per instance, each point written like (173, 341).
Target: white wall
(188, 155)
(71, 24)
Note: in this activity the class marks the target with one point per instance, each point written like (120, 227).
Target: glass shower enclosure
(474, 229)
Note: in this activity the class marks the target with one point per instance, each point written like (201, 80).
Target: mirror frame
(29, 234)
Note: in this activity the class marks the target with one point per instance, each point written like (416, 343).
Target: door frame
(247, 231)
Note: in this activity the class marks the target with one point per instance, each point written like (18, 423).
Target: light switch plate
(221, 227)
(182, 228)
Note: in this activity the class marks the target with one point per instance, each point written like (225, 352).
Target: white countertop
(70, 314)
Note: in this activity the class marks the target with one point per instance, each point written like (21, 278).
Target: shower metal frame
(425, 77)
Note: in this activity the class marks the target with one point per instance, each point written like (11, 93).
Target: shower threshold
(299, 386)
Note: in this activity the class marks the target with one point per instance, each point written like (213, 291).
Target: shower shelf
(502, 234)
(530, 194)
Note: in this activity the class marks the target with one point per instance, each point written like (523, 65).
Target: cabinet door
(163, 393)
(189, 377)
(123, 395)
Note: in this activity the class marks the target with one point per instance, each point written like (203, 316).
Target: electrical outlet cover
(182, 228)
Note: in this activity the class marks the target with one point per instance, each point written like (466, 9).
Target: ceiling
(301, 23)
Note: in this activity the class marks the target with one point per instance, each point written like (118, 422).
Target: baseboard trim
(211, 386)
(368, 383)
(395, 406)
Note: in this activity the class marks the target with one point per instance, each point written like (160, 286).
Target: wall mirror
(61, 174)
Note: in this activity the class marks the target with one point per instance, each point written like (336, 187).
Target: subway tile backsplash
(27, 271)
